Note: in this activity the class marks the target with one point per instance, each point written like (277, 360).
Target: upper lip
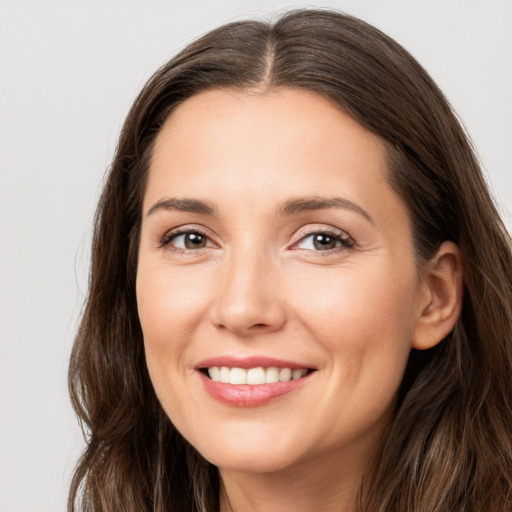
(249, 362)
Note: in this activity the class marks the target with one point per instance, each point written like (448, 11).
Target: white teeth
(224, 374)
(297, 374)
(214, 373)
(272, 375)
(238, 376)
(254, 376)
(285, 374)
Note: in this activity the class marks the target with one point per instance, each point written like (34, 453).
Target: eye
(324, 241)
(186, 240)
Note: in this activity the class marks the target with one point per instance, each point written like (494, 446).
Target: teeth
(297, 374)
(214, 373)
(272, 375)
(238, 376)
(285, 374)
(254, 376)
(224, 374)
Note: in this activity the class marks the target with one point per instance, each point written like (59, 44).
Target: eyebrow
(292, 207)
(184, 205)
(303, 204)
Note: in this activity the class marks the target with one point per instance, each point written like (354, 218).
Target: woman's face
(273, 251)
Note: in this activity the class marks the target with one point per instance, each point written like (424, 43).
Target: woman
(300, 293)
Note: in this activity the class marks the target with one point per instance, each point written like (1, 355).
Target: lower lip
(244, 395)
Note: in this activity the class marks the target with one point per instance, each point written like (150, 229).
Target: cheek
(169, 309)
(363, 320)
(345, 300)
(168, 302)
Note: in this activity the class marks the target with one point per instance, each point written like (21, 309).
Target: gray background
(69, 71)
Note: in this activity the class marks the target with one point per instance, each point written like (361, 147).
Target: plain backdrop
(69, 71)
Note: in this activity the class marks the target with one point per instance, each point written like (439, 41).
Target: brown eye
(194, 240)
(322, 242)
(186, 240)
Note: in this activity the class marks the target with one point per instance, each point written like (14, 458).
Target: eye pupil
(323, 242)
(194, 240)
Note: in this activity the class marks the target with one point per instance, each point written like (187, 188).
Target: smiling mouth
(253, 376)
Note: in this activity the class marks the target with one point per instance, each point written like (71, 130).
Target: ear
(441, 297)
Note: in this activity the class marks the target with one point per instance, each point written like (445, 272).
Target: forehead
(306, 115)
(251, 138)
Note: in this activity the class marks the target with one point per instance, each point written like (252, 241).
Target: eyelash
(346, 242)
(169, 237)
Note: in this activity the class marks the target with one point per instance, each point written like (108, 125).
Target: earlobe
(442, 298)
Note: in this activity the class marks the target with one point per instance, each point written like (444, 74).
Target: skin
(259, 286)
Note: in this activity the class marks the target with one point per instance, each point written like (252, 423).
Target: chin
(249, 455)
(252, 461)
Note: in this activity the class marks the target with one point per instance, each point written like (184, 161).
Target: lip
(250, 362)
(244, 395)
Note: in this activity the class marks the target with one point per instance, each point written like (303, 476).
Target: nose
(249, 298)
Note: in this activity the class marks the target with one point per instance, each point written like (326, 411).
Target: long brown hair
(449, 447)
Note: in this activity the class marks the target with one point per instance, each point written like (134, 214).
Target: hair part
(449, 447)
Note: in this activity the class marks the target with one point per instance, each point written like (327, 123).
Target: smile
(254, 376)
(251, 381)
